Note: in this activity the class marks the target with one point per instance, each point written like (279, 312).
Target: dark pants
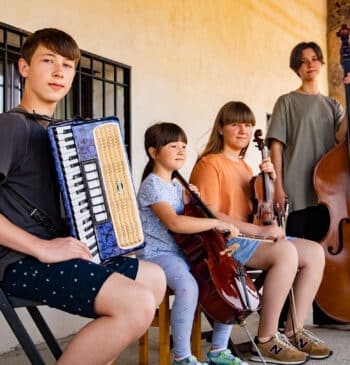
(311, 223)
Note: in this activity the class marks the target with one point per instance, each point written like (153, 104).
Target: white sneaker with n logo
(279, 350)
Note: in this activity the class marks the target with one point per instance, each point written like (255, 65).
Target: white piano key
(94, 251)
(78, 195)
(101, 217)
(93, 184)
(96, 259)
(88, 167)
(78, 203)
(66, 144)
(91, 241)
(91, 175)
(63, 129)
(82, 207)
(70, 163)
(95, 192)
(83, 222)
(63, 136)
(75, 183)
(98, 208)
(87, 233)
(68, 154)
(97, 200)
(70, 172)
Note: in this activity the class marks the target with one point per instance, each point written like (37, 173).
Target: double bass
(226, 292)
(332, 185)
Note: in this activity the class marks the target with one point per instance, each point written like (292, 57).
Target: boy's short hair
(295, 60)
(54, 39)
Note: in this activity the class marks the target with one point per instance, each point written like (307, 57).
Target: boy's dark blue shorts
(69, 285)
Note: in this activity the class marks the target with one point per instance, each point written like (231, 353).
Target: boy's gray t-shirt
(306, 125)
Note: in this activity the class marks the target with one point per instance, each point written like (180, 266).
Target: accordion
(96, 186)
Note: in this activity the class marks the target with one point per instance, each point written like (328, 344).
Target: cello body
(332, 185)
(226, 292)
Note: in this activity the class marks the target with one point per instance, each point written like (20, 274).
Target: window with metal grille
(101, 87)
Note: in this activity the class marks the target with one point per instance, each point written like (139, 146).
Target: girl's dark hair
(159, 135)
(231, 112)
(295, 60)
(54, 39)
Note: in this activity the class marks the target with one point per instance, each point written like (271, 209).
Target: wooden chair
(162, 321)
(7, 306)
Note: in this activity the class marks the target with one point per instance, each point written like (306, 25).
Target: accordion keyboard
(96, 187)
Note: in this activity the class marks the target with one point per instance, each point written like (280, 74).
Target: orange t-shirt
(224, 183)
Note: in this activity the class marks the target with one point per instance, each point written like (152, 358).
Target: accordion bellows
(96, 185)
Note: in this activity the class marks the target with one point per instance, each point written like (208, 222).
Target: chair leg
(143, 349)
(197, 334)
(164, 331)
(45, 332)
(20, 332)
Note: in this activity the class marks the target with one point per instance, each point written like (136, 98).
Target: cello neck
(195, 197)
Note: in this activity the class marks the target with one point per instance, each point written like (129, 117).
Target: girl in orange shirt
(222, 176)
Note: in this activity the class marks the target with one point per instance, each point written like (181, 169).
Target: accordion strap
(35, 213)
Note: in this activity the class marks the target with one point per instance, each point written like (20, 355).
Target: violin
(332, 186)
(226, 292)
(262, 193)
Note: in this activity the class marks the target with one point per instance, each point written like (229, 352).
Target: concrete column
(338, 14)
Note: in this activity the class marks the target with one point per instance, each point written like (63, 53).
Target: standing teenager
(304, 126)
(50, 268)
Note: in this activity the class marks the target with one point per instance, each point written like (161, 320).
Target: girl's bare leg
(308, 279)
(280, 259)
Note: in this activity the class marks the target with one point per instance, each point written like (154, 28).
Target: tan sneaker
(307, 342)
(279, 350)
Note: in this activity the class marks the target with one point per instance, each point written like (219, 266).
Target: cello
(332, 186)
(226, 292)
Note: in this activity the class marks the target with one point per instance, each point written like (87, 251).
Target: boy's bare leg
(126, 309)
(308, 279)
(152, 277)
(281, 261)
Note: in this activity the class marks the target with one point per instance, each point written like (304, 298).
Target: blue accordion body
(81, 139)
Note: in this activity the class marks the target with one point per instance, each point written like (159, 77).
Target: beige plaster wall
(188, 57)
